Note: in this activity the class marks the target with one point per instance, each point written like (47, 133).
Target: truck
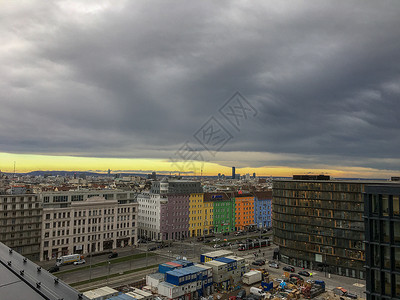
(252, 277)
(68, 259)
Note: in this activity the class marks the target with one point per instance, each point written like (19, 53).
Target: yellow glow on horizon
(33, 162)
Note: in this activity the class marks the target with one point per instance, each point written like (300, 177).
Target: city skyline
(290, 87)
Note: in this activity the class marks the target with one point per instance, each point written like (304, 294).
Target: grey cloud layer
(138, 78)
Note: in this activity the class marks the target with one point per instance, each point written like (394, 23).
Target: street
(191, 250)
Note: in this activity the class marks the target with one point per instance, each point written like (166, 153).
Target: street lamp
(108, 275)
(325, 248)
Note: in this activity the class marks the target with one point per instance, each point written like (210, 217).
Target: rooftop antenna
(14, 168)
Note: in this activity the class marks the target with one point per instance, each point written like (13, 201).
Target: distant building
(382, 241)
(244, 208)
(319, 223)
(263, 209)
(164, 212)
(87, 221)
(223, 211)
(20, 223)
(254, 175)
(311, 177)
(233, 173)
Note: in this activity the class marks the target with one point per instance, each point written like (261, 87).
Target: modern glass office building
(318, 224)
(382, 241)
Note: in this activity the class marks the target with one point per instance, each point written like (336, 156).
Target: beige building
(87, 222)
(20, 223)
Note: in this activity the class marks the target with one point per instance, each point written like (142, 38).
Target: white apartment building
(87, 222)
(149, 215)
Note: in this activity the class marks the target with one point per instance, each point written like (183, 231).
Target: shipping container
(122, 297)
(215, 254)
(252, 277)
(101, 293)
(153, 280)
(183, 263)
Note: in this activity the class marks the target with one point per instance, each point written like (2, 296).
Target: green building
(224, 211)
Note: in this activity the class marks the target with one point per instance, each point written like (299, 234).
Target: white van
(257, 291)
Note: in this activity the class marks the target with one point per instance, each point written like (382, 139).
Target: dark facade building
(318, 224)
(21, 223)
(382, 241)
(233, 172)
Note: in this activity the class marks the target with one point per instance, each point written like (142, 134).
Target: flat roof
(30, 284)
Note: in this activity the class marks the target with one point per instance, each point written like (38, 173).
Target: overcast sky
(137, 79)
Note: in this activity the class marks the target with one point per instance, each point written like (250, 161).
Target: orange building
(244, 208)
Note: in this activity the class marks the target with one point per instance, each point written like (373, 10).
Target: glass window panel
(385, 235)
(397, 258)
(375, 230)
(396, 206)
(375, 207)
(387, 284)
(376, 281)
(375, 253)
(396, 232)
(385, 205)
(386, 257)
(397, 285)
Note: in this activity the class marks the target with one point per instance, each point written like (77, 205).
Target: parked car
(153, 248)
(200, 239)
(217, 246)
(351, 295)
(296, 277)
(113, 255)
(239, 233)
(304, 273)
(343, 292)
(241, 294)
(257, 263)
(216, 240)
(79, 262)
(273, 264)
(54, 269)
(289, 269)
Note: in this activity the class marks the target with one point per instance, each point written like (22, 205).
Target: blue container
(164, 268)
(231, 263)
(184, 263)
(174, 277)
(320, 282)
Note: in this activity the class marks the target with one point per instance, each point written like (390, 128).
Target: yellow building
(200, 215)
(208, 216)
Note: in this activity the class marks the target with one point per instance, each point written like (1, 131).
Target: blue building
(263, 209)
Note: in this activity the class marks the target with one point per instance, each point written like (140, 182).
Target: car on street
(273, 264)
(153, 248)
(225, 233)
(259, 262)
(343, 292)
(217, 246)
(239, 233)
(200, 239)
(304, 273)
(289, 269)
(241, 294)
(79, 262)
(216, 240)
(296, 277)
(54, 269)
(113, 255)
(207, 241)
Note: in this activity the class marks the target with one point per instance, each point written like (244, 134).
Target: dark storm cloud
(137, 79)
